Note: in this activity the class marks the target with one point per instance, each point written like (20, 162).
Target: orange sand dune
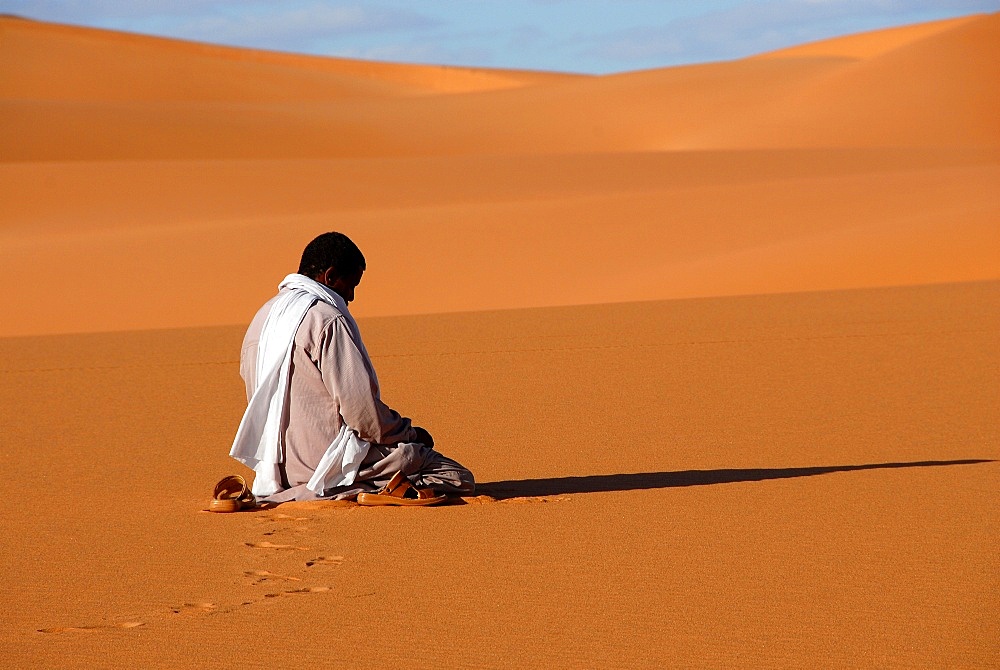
(517, 232)
(728, 178)
(57, 62)
(645, 111)
(937, 89)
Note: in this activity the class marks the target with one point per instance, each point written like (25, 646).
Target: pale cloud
(265, 23)
(297, 25)
(753, 27)
(70, 11)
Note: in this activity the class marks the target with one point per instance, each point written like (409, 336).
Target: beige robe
(328, 386)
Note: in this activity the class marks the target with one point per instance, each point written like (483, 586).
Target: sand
(719, 342)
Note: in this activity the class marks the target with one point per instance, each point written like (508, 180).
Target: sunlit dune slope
(938, 90)
(150, 166)
(185, 243)
(868, 44)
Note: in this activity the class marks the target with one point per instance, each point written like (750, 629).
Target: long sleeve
(342, 367)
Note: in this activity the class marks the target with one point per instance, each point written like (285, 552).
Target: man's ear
(328, 277)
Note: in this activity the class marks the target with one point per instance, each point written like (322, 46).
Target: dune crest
(869, 44)
(69, 63)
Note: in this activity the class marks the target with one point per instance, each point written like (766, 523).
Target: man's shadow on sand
(525, 488)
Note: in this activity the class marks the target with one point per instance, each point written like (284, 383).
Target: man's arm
(343, 369)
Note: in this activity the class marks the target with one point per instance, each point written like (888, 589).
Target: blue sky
(565, 35)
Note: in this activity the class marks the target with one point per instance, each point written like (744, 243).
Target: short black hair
(331, 250)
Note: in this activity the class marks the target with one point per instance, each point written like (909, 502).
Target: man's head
(334, 260)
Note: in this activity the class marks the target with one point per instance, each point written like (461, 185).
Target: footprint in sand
(479, 500)
(286, 530)
(517, 500)
(284, 517)
(325, 560)
(261, 576)
(299, 592)
(92, 629)
(195, 608)
(534, 499)
(272, 545)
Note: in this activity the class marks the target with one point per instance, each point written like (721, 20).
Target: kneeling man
(315, 425)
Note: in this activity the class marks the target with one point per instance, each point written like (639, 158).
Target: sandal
(231, 495)
(399, 491)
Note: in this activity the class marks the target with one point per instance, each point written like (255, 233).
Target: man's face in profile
(343, 286)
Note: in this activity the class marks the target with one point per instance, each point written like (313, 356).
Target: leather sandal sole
(395, 493)
(378, 499)
(225, 505)
(231, 494)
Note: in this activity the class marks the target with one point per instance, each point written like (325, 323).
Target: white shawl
(259, 442)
